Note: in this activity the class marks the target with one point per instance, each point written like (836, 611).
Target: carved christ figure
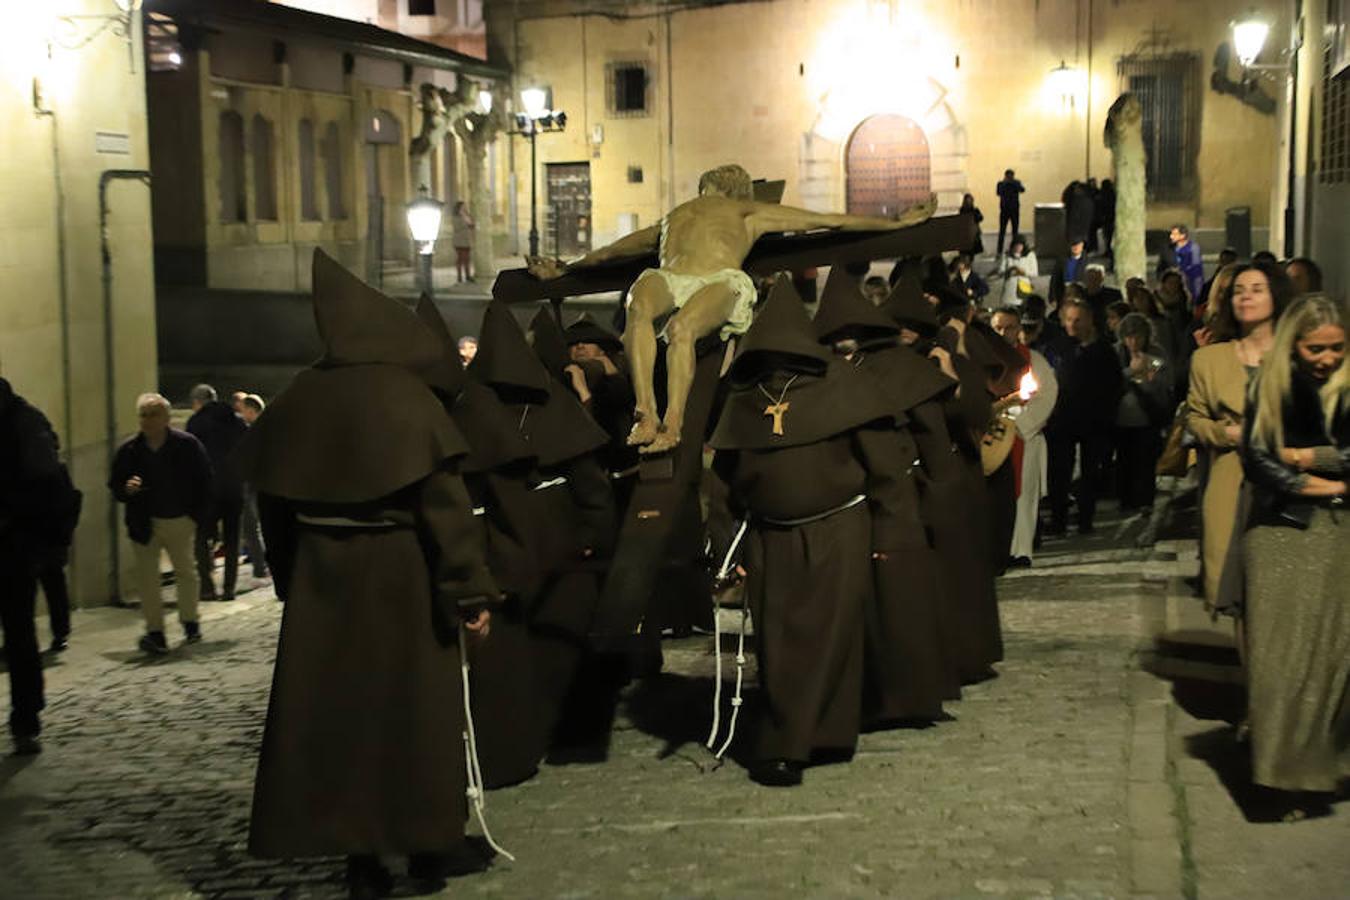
(701, 246)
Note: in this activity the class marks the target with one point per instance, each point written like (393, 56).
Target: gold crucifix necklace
(777, 408)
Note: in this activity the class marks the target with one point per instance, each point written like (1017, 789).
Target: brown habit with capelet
(573, 515)
(908, 666)
(808, 582)
(498, 473)
(363, 751)
(952, 502)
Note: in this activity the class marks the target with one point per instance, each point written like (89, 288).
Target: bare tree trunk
(480, 202)
(1125, 138)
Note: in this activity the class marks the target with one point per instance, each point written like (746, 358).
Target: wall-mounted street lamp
(1065, 82)
(1249, 37)
(424, 221)
(536, 118)
(75, 31)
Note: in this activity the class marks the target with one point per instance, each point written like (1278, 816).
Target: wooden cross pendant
(776, 410)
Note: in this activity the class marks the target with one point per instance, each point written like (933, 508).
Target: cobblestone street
(1073, 774)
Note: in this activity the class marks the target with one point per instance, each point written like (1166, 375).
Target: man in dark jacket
(164, 477)
(30, 492)
(1009, 205)
(220, 429)
(1089, 388)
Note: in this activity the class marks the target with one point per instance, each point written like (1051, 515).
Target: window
(1166, 87)
(233, 202)
(331, 151)
(264, 171)
(309, 198)
(1334, 163)
(626, 89)
(162, 47)
(421, 7)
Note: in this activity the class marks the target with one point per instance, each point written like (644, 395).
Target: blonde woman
(1296, 451)
(1244, 329)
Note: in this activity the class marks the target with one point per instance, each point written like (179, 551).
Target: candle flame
(1028, 386)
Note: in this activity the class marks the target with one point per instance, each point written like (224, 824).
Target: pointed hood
(845, 313)
(505, 360)
(548, 414)
(586, 330)
(1007, 365)
(362, 422)
(781, 337)
(447, 374)
(488, 426)
(550, 344)
(908, 306)
(359, 325)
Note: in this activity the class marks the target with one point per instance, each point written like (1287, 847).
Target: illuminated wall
(58, 347)
(780, 86)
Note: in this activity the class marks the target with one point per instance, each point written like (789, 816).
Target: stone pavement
(1075, 773)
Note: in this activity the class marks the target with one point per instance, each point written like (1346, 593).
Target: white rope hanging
(722, 574)
(473, 769)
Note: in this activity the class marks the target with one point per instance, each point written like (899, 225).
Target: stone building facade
(827, 92)
(275, 130)
(77, 296)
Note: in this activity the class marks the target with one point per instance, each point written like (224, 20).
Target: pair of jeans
(250, 532)
(18, 602)
(225, 514)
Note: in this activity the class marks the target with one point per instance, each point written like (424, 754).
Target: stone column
(1125, 138)
(476, 130)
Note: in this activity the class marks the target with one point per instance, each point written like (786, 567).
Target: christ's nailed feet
(666, 439)
(644, 431)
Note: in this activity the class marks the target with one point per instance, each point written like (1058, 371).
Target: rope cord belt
(551, 483)
(807, 520)
(473, 770)
(343, 522)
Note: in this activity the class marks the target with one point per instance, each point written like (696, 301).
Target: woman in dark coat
(801, 465)
(1296, 454)
(909, 672)
(372, 544)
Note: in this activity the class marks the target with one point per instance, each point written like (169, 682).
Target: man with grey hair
(164, 477)
(1099, 296)
(220, 429)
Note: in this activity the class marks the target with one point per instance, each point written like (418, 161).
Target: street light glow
(1249, 36)
(485, 101)
(533, 99)
(424, 221)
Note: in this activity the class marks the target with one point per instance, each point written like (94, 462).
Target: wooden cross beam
(772, 253)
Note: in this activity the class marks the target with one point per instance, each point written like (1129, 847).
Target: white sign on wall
(113, 142)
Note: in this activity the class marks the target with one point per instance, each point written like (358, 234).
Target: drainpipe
(63, 285)
(109, 369)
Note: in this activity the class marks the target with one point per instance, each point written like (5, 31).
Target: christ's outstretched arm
(770, 218)
(639, 243)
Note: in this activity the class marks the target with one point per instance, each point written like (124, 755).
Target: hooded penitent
(551, 418)
(360, 423)
(586, 330)
(371, 542)
(488, 426)
(781, 365)
(908, 306)
(904, 376)
(909, 672)
(550, 344)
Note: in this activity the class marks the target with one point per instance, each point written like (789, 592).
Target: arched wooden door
(887, 167)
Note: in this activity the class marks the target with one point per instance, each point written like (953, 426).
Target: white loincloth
(682, 287)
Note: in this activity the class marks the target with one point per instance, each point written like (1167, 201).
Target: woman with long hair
(1145, 405)
(1217, 397)
(1296, 452)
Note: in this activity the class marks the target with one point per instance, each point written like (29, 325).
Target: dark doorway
(568, 218)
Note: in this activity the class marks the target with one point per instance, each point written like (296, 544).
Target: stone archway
(887, 166)
(823, 155)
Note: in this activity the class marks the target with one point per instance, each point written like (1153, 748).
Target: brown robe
(362, 749)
